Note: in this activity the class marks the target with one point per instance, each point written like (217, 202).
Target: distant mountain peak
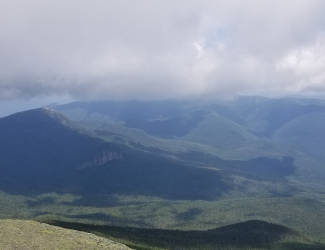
(37, 117)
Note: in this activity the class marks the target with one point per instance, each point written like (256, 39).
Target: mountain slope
(264, 116)
(305, 132)
(31, 235)
(220, 132)
(43, 153)
(158, 118)
(41, 150)
(172, 126)
(244, 128)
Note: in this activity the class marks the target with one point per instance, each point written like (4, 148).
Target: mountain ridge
(253, 234)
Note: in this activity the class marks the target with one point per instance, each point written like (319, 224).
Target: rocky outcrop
(107, 156)
(102, 159)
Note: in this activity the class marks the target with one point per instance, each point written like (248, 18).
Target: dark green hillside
(260, 168)
(245, 235)
(41, 151)
(43, 154)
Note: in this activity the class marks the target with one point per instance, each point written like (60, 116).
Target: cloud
(306, 66)
(160, 49)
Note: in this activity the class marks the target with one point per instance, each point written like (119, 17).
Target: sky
(148, 49)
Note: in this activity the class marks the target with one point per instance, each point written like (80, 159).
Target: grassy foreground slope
(31, 235)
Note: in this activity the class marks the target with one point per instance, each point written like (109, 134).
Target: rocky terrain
(31, 235)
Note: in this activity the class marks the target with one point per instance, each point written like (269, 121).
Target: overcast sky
(88, 49)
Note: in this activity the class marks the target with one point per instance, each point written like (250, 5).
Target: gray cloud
(159, 49)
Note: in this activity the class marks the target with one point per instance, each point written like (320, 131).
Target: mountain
(167, 164)
(158, 118)
(218, 131)
(243, 128)
(305, 132)
(247, 117)
(31, 235)
(264, 116)
(44, 153)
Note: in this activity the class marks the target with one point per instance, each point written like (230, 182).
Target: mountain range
(178, 158)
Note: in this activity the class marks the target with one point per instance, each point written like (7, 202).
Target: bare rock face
(103, 158)
(31, 235)
(107, 156)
